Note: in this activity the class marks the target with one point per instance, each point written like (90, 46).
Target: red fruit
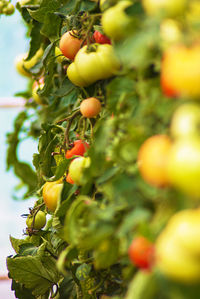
(69, 179)
(79, 149)
(141, 253)
(101, 38)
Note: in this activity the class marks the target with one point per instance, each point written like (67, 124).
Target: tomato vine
(94, 100)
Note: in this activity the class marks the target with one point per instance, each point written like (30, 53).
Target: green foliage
(83, 250)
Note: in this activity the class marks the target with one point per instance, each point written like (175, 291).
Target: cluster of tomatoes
(171, 160)
(174, 160)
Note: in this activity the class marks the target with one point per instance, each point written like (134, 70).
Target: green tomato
(116, 22)
(77, 167)
(167, 7)
(186, 121)
(89, 67)
(39, 222)
(184, 166)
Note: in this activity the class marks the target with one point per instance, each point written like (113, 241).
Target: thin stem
(70, 120)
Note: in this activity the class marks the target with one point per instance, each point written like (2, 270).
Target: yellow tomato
(152, 160)
(51, 194)
(181, 70)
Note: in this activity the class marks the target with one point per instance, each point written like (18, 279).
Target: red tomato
(70, 45)
(141, 253)
(69, 179)
(101, 38)
(90, 107)
(79, 149)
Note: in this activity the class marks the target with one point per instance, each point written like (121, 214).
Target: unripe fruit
(51, 194)
(77, 167)
(39, 221)
(153, 158)
(166, 7)
(185, 122)
(90, 107)
(116, 23)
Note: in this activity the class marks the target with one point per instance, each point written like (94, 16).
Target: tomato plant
(97, 175)
(141, 253)
(90, 107)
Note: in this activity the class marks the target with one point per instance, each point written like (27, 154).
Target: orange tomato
(90, 107)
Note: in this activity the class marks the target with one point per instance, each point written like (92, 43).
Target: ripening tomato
(116, 23)
(141, 253)
(79, 148)
(77, 167)
(70, 44)
(153, 158)
(185, 122)
(180, 71)
(165, 7)
(69, 179)
(51, 194)
(90, 107)
(177, 248)
(101, 38)
(183, 166)
(39, 221)
(89, 67)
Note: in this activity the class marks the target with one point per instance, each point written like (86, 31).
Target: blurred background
(13, 41)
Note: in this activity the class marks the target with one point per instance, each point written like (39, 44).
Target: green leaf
(34, 272)
(46, 6)
(83, 271)
(51, 26)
